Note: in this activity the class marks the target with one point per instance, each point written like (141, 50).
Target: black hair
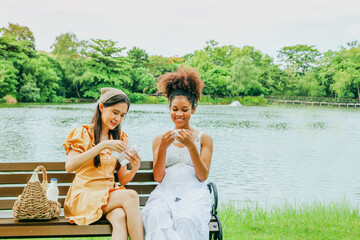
(96, 120)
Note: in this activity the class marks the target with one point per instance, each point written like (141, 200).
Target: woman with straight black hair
(94, 192)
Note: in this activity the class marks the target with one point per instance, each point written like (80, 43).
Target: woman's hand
(134, 159)
(185, 137)
(167, 138)
(114, 145)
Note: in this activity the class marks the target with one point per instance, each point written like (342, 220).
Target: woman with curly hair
(179, 207)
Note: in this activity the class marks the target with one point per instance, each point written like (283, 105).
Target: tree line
(80, 68)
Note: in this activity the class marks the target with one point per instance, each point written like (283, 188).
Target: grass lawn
(314, 221)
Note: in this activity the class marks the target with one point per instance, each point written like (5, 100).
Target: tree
(244, 78)
(216, 81)
(143, 81)
(65, 44)
(21, 33)
(29, 92)
(271, 77)
(39, 73)
(105, 67)
(308, 85)
(339, 87)
(139, 57)
(299, 58)
(159, 65)
(106, 48)
(339, 72)
(8, 78)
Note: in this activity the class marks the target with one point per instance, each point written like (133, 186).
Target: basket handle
(44, 182)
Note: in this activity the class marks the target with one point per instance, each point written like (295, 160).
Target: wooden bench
(13, 177)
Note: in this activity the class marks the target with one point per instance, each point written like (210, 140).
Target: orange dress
(91, 186)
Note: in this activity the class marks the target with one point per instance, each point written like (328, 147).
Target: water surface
(267, 155)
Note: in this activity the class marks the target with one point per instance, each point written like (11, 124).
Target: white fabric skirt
(179, 207)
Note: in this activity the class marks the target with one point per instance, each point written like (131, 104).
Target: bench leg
(215, 235)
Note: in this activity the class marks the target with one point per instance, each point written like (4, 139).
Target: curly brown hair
(185, 82)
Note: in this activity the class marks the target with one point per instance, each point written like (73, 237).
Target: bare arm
(76, 159)
(160, 145)
(200, 161)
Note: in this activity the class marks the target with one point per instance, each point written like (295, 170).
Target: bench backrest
(14, 176)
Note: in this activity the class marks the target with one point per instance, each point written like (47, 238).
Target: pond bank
(298, 102)
(314, 101)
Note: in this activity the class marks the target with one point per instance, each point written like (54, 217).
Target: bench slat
(19, 173)
(19, 178)
(9, 203)
(56, 230)
(57, 221)
(50, 166)
(62, 227)
(30, 166)
(11, 191)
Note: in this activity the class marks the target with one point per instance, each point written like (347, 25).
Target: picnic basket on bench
(33, 203)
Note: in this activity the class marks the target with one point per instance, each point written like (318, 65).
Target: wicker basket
(33, 203)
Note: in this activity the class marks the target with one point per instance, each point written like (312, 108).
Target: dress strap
(198, 139)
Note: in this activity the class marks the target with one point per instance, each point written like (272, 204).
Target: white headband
(107, 93)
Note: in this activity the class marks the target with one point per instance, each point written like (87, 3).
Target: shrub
(9, 99)
(151, 99)
(136, 97)
(57, 99)
(162, 99)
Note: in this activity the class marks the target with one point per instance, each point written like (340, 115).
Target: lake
(265, 155)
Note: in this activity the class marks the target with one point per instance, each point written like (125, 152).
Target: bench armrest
(213, 189)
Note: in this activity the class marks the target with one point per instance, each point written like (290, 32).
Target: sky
(175, 28)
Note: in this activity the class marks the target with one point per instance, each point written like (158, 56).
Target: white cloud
(353, 30)
(171, 27)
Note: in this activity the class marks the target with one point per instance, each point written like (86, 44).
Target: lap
(121, 198)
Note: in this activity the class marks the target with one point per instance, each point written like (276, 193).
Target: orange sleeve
(78, 139)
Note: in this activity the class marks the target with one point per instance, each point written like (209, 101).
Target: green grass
(314, 221)
(333, 221)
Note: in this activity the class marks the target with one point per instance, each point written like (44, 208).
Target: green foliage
(79, 69)
(143, 81)
(299, 58)
(65, 44)
(8, 78)
(162, 99)
(41, 72)
(21, 33)
(339, 220)
(106, 48)
(105, 67)
(29, 92)
(139, 57)
(136, 97)
(159, 65)
(244, 79)
(143, 98)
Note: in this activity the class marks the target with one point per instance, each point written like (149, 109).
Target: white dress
(179, 207)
